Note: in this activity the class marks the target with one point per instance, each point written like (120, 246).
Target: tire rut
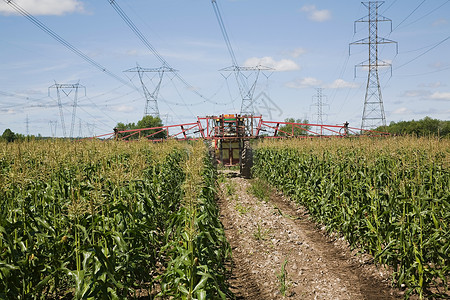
(241, 280)
(264, 236)
(371, 283)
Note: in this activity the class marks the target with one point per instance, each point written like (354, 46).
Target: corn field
(389, 198)
(109, 220)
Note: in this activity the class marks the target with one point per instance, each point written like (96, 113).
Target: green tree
(146, 122)
(298, 129)
(8, 135)
(426, 126)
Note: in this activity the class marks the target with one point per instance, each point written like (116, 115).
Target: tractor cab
(229, 126)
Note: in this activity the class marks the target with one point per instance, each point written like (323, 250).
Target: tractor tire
(246, 161)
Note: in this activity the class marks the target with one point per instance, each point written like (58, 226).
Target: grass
(260, 189)
(230, 188)
(241, 208)
(261, 234)
(283, 279)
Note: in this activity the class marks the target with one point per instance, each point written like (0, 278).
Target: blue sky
(306, 42)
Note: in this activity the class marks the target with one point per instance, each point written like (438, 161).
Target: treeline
(425, 127)
(9, 136)
(146, 122)
(287, 129)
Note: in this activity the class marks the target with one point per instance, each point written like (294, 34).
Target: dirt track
(265, 235)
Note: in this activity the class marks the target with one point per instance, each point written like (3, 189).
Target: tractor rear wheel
(246, 160)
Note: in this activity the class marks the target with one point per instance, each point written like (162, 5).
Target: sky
(305, 43)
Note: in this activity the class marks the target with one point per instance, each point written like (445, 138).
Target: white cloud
(307, 82)
(296, 52)
(8, 111)
(123, 108)
(401, 111)
(311, 82)
(267, 61)
(43, 7)
(440, 22)
(415, 93)
(438, 65)
(440, 96)
(315, 14)
(432, 85)
(133, 52)
(342, 84)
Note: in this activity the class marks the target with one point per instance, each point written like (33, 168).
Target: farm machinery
(231, 143)
(229, 136)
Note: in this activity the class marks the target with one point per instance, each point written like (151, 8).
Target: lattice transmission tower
(246, 86)
(27, 124)
(373, 113)
(67, 89)
(151, 98)
(53, 125)
(320, 102)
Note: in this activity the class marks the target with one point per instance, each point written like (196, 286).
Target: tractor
(229, 135)
(230, 143)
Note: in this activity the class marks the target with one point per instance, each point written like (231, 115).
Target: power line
(392, 4)
(245, 89)
(427, 14)
(102, 110)
(65, 43)
(7, 94)
(422, 54)
(407, 17)
(151, 105)
(19, 96)
(63, 88)
(78, 118)
(373, 113)
(418, 6)
(149, 46)
(426, 73)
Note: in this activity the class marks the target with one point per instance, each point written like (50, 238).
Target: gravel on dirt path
(267, 235)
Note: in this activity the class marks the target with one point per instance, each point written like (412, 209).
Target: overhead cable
(65, 43)
(144, 40)
(423, 53)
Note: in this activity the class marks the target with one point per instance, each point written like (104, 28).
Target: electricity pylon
(53, 125)
(319, 98)
(151, 99)
(67, 89)
(373, 113)
(246, 88)
(27, 123)
(91, 128)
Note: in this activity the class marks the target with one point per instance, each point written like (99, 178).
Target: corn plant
(198, 254)
(389, 197)
(103, 220)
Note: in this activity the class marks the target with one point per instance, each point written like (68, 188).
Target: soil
(265, 235)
